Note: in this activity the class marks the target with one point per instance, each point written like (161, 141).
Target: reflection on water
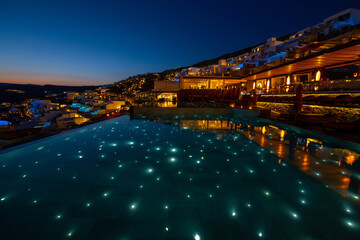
(161, 104)
(166, 104)
(338, 168)
(179, 179)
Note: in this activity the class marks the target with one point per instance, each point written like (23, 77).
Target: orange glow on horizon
(43, 78)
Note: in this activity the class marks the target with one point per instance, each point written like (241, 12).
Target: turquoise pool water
(207, 178)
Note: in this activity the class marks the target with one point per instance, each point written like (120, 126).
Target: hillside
(145, 82)
(19, 92)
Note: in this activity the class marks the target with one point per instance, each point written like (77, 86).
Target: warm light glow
(288, 80)
(305, 164)
(350, 159)
(317, 76)
(282, 135)
(263, 130)
(167, 96)
(308, 140)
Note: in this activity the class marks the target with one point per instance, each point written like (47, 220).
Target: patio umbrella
(298, 98)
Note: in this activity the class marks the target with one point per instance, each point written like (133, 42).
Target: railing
(333, 85)
(353, 34)
(351, 84)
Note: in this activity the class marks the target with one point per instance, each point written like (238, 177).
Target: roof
(212, 77)
(27, 125)
(338, 56)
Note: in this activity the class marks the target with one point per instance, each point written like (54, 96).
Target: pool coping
(46, 137)
(323, 137)
(299, 130)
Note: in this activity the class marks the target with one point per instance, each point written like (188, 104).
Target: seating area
(209, 95)
(344, 99)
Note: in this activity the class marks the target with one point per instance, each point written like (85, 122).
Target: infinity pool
(204, 178)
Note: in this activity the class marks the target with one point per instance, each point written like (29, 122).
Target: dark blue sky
(95, 42)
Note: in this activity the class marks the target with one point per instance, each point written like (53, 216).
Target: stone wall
(180, 111)
(344, 112)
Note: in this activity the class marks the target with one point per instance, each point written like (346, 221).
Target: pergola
(208, 82)
(341, 55)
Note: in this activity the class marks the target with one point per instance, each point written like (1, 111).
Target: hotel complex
(324, 58)
(265, 144)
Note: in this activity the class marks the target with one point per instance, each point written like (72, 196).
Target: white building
(41, 106)
(70, 118)
(114, 105)
(348, 17)
(270, 47)
(191, 71)
(71, 95)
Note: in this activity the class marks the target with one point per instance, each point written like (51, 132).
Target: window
(344, 17)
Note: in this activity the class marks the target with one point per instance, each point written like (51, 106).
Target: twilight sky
(83, 42)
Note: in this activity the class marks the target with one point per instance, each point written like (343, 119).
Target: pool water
(179, 179)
